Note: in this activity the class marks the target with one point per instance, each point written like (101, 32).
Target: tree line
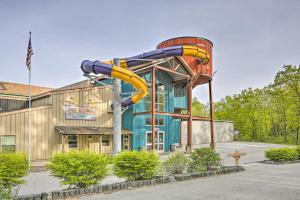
(270, 114)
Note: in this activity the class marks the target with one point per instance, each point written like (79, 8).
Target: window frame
(9, 145)
(159, 105)
(105, 142)
(72, 140)
(157, 120)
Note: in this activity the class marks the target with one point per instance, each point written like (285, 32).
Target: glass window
(125, 138)
(72, 141)
(158, 121)
(149, 140)
(148, 121)
(159, 98)
(8, 143)
(105, 140)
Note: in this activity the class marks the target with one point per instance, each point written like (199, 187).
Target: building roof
(87, 130)
(17, 89)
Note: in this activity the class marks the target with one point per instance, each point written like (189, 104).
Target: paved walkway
(42, 182)
(261, 181)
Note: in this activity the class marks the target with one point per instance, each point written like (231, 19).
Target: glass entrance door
(159, 140)
(126, 142)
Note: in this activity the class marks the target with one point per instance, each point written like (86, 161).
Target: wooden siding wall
(44, 101)
(93, 144)
(16, 123)
(7, 105)
(96, 97)
(81, 84)
(45, 139)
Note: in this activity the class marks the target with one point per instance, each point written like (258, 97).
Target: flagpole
(29, 121)
(29, 118)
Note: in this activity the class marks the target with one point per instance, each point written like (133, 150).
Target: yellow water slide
(123, 73)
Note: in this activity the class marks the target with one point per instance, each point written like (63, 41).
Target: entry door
(159, 140)
(126, 142)
(106, 144)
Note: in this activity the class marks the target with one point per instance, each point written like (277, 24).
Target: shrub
(134, 165)
(204, 159)
(281, 154)
(79, 169)
(13, 166)
(176, 163)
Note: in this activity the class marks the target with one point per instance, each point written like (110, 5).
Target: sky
(252, 39)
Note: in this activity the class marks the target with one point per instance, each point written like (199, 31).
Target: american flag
(29, 53)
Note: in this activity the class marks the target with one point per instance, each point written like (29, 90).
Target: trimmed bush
(281, 154)
(176, 163)
(204, 159)
(135, 165)
(79, 169)
(13, 166)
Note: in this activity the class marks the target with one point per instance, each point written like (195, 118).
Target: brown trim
(185, 37)
(190, 119)
(201, 118)
(186, 66)
(211, 110)
(180, 132)
(177, 115)
(143, 71)
(143, 113)
(175, 69)
(201, 79)
(172, 71)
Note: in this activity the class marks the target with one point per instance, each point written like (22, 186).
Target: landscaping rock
(280, 163)
(109, 188)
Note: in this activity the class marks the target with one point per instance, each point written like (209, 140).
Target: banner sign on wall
(80, 113)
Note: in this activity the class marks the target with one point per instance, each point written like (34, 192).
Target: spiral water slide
(123, 72)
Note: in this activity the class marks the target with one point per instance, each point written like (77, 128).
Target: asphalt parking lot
(261, 181)
(38, 182)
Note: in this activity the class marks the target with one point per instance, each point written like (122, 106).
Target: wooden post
(62, 143)
(190, 119)
(99, 140)
(153, 105)
(211, 109)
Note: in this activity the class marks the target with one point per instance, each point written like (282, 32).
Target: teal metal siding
(174, 97)
(137, 123)
(171, 131)
(107, 81)
(180, 97)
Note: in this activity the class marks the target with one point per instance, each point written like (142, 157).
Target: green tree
(198, 108)
(270, 114)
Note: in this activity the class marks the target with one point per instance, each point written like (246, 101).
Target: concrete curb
(225, 170)
(279, 163)
(110, 188)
